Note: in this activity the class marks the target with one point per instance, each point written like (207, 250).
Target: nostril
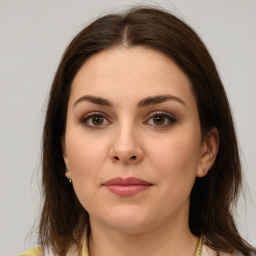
(116, 158)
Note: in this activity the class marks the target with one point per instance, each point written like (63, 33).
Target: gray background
(33, 35)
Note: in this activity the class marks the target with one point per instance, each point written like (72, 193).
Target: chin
(131, 227)
(129, 221)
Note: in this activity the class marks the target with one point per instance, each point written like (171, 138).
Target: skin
(129, 142)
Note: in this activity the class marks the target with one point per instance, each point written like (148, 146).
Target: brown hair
(63, 219)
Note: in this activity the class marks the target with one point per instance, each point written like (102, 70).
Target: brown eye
(97, 120)
(159, 120)
(94, 120)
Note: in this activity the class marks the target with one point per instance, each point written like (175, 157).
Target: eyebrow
(159, 99)
(95, 100)
(152, 100)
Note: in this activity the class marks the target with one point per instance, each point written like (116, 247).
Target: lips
(126, 187)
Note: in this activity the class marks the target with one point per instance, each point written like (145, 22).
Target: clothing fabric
(38, 251)
(207, 251)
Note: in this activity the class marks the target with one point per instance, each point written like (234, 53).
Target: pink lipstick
(126, 187)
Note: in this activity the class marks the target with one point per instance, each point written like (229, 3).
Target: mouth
(127, 187)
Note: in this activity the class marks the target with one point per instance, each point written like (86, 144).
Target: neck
(166, 240)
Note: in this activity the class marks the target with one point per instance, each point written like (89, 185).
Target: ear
(65, 157)
(209, 151)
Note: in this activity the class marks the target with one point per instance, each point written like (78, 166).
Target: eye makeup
(160, 119)
(95, 119)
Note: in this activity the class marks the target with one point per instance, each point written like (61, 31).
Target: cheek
(85, 154)
(177, 156)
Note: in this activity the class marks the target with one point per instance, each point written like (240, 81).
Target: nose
(125, 147)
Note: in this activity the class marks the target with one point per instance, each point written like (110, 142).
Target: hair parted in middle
(63, 218)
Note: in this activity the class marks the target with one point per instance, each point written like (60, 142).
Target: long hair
(63, 219)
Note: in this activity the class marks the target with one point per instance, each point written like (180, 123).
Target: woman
(140, 125)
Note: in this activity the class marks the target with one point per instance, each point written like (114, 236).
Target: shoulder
(207, 251)
(36, 251)
(39, 251)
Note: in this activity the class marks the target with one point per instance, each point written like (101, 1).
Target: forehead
(133, 72)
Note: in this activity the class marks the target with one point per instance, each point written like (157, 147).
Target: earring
(68, 179)
(205, 171)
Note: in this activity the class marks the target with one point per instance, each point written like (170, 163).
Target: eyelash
(89, 116)
(167, 117)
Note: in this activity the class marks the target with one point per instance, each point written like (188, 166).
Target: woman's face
(133, 144)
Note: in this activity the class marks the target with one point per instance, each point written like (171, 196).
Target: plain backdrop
(33, 36)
